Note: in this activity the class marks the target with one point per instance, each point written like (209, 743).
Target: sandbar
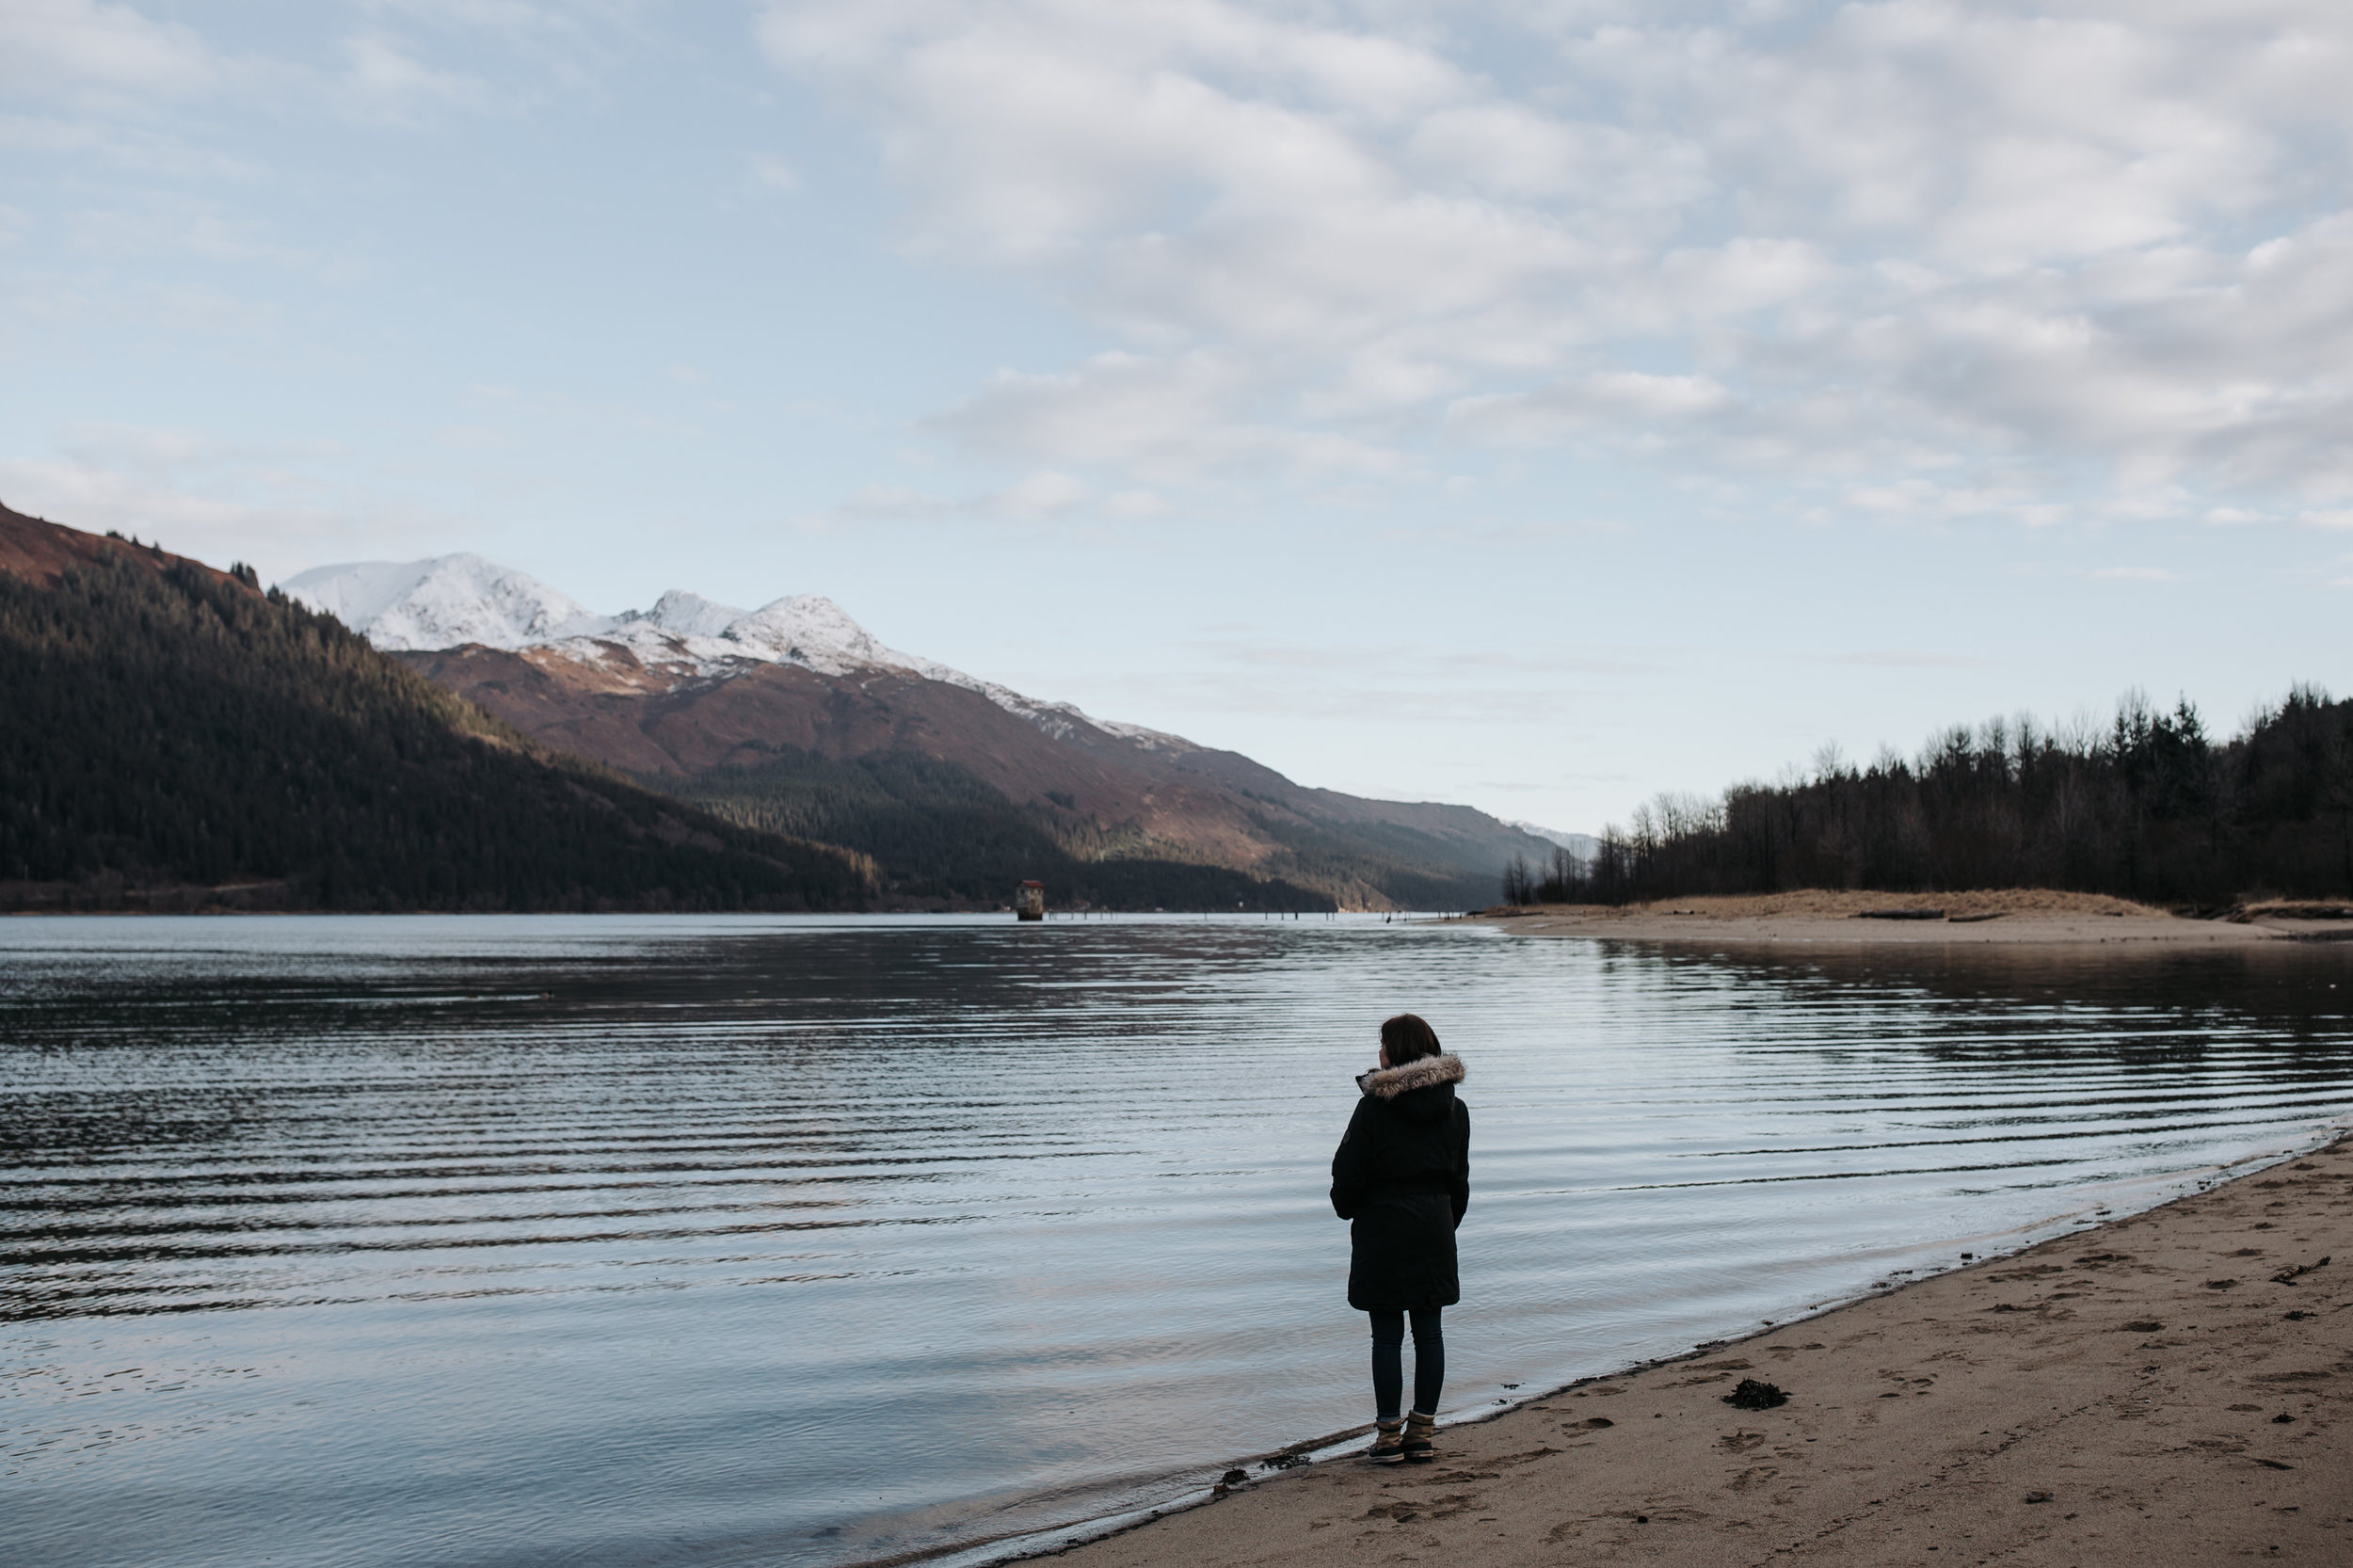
(1992, 918)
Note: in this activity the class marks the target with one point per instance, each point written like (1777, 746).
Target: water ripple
(633, 1241)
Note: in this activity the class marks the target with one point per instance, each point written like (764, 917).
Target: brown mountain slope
(1103, 794)
(623, 715)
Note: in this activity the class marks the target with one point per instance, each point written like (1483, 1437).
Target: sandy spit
(2161, 1389)
(1988, 918)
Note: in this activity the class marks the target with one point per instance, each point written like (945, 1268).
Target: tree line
(2148, 806)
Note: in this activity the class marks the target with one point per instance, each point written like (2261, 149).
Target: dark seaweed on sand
(1749, 1394)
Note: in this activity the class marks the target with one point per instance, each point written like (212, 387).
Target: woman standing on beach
(1402, 1178)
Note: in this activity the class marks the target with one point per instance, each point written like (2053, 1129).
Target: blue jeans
(1388, 1361)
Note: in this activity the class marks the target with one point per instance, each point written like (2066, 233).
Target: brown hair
(1407, 1038)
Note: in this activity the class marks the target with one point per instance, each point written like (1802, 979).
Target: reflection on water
(648, 1240)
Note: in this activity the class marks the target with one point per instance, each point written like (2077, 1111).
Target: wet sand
(2145, 1391)
(1999, 917)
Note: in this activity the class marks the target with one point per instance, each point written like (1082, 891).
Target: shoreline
(2109, 1430)
(2022, 918)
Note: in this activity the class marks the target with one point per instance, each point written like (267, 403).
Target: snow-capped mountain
(450, 600)
(443, 602)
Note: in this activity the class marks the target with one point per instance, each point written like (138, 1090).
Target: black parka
(1402, 1178)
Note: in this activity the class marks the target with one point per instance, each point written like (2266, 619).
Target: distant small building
(1029, 901)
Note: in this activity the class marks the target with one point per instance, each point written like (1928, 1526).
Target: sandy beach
(2167, 1388)
(1993, 917)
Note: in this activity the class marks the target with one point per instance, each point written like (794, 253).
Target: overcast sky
(1533, 405)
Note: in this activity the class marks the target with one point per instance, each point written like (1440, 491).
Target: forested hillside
(2151, 807)
(172, 737)
(937, 830)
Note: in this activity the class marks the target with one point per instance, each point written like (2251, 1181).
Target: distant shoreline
(1984, 918)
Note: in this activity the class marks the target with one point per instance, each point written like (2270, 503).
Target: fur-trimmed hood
(1421, 1073)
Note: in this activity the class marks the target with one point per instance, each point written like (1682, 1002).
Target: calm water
(618, 1240)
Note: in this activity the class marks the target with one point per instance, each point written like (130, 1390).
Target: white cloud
(1174, 418)
(121, 67)
(1137, 506)
(82, 46)
(177, 226)
(1609, 399)
(1990, 247)
(135, 147)
(884, 503)
(514, 18)
(383, 79)
(1041, 495)
(773, 173)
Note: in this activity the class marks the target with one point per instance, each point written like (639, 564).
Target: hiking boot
(1417, 1445)
(1389, 1442)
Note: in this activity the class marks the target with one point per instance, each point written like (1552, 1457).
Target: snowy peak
(417, 606)
(688, 630)
(688, 614)
(414, 605)
(421, 606)
(811, 630)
